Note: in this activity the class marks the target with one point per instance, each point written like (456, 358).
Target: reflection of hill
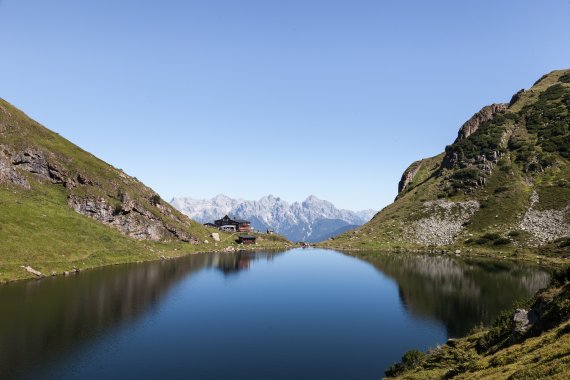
(41, 319)
(459, 293)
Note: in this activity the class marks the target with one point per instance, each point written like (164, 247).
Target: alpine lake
(298, 314)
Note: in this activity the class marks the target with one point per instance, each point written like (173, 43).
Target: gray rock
(35, 162)
(516, 97)
(138, 222)
(473, 124)
(32, 271)
(524, 320)
(408, 175)
(8, 172)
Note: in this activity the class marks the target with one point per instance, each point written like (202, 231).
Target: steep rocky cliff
(503, 185)
(472, 125)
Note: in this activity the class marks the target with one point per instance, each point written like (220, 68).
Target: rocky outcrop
(35, 162)
(453, 157)
(516, 97)
(7, 172)
(32, 161)
(409, 175)
(129, 217)
(486, 114)
(445, 221)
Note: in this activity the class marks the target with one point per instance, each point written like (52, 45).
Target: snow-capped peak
(313, 219)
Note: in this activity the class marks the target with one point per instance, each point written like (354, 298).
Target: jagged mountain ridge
(502, 185)
(312, 220)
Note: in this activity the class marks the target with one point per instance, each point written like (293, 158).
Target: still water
(300, 314)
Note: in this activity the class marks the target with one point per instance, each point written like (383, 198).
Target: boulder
(32, 271)
(524, 320)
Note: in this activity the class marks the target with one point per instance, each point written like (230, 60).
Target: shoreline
(170, 255)
(526, 257)
(173, 252)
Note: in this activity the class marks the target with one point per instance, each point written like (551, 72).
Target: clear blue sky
(291, 98)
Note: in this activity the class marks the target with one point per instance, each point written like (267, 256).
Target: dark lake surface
(300, 314)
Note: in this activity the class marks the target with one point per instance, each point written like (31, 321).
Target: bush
(549, 119)
(553, 92)
(560, 276)
(506, 168)
(490, 237)
(155, 199)
(501, 241)
(117, 209)
(498, 334)
(547, 160)
(534, 167)
(565, 78)
(564, 242)
(411, 359)
(467, 173)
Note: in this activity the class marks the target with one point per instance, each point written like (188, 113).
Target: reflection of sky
(301, 314)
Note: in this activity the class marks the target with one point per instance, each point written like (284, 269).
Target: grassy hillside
(532, 342)
(61, 208)
(503, 186)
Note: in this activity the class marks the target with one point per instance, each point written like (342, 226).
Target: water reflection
(330, 315)
(44, 318)
(460, 293)
(235, 263)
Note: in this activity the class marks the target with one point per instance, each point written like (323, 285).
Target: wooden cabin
(239, 225)
(246, 239)
(228, 228)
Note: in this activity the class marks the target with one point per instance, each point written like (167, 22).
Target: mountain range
(312, 220)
